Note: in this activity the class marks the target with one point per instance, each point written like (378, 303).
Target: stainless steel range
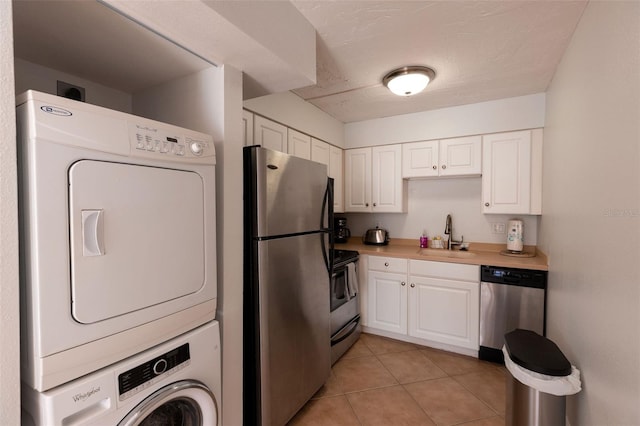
(345, 303)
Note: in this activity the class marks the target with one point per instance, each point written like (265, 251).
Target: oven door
(339, 287)
(343, 308)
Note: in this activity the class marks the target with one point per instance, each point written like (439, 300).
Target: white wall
(523, 112)
(430, 200)
(292, 111)
(43, 79)
(9, 284)
(591, 225)
(215, 107)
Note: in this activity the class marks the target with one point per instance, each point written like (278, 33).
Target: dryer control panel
(144, 375)
(162, 141)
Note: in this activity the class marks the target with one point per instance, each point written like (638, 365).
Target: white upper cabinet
(449, 157)
(321, 152)
(388, 190)
(336, 172)
(247, 127)
(330, 155)
(269, 134)
(461, 156)
(373, 180)
(512, 172)
(299, 144)
(420, 159)
(357, 180)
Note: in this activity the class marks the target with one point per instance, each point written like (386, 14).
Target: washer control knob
(196, 148)
(160, 367)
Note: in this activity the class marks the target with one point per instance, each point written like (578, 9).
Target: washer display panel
(137, 237)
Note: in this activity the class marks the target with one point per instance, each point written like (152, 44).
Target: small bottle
(424, 241)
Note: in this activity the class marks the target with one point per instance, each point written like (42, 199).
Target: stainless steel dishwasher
(509, 299)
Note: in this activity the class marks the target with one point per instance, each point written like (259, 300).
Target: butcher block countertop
(477, 254)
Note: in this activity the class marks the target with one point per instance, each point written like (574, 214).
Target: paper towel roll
(515, 235)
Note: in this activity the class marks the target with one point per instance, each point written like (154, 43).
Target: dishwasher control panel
(513, 276)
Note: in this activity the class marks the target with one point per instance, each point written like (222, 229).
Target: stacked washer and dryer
(118, 265)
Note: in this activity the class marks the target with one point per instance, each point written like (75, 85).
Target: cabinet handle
(412, 285)
(435, 167)
(486, 204)
(366, 204)
(374, 204)
(386, 264)
(403, 283)
(444, 166)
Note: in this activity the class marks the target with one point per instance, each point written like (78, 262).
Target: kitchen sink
(445, 253)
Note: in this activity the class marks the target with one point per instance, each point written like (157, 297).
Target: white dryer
(175, 383)
(118, 239)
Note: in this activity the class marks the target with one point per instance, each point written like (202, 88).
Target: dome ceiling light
(407, 81)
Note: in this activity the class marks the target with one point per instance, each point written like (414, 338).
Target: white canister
(515, 235)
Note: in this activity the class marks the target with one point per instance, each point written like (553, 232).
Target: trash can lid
(536, 353)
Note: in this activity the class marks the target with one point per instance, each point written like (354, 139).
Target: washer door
(187, 403)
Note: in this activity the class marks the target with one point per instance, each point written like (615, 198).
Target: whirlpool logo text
(56, 110)
(80, 397)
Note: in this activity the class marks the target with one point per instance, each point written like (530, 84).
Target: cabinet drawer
(450, 271)
(388, 264)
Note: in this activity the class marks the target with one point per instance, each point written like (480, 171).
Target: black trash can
(541, 377)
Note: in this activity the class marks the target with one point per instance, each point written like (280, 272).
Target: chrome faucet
(448, 230)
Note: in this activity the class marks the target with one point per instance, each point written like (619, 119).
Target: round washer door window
(184, 403)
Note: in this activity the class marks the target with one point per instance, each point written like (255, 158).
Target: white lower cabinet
(434, 302)
(387, 294)
(444, 302)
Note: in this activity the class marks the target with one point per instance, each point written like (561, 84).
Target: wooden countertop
(477, 254)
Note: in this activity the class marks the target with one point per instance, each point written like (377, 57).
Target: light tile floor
(381, 381)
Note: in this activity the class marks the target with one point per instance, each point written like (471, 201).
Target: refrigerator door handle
(327, 211)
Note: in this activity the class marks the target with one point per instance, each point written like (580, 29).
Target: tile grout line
(413, 347)
(405, 389)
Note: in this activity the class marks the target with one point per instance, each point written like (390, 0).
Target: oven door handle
(346, 331)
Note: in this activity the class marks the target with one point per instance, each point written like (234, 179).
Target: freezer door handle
(327, 211)
(93, 232)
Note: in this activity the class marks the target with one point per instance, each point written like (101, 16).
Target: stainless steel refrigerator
(287, 209)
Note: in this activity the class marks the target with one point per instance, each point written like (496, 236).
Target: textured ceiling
(480, 50)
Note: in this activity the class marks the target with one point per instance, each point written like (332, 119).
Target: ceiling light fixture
(407, 81)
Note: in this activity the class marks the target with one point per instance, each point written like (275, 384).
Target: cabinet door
(320, 152)
(336, 172)
(247, 127)
(420, 159)
(506, 172)
(357, 188)
(461, 156)
(444, 311)
(299, 144)
(269, 134)
(387, 304)
(387, 186)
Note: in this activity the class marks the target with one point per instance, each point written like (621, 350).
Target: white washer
(177, 382)
(118, 239)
